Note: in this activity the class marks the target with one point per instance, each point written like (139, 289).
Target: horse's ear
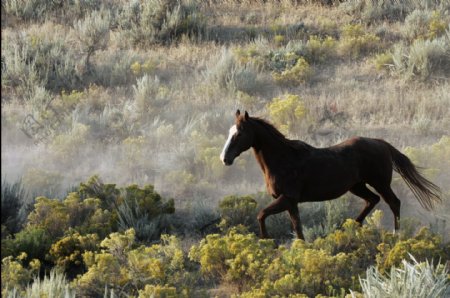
(238, 113)
(246, 116)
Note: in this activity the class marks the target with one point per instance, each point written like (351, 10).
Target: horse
(297, 172)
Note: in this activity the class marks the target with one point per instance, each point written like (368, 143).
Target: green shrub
(95, 188)
(34, 241)
(322, 218)
(143, 209)
(248, 54)
(14, 202)
(238, 210)
(101, 208)
(284, 59)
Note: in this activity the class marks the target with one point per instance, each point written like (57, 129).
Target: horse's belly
(322, 195)
(324, 187)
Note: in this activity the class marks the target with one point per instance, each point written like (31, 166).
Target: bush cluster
(57, 232)
(86, 238)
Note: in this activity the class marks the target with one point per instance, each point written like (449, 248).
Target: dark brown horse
(296, 172)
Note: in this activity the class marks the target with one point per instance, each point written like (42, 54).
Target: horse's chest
(282, 183)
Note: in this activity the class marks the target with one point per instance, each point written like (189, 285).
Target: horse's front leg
(279, 205)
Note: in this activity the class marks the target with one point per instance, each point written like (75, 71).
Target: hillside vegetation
(142, 94)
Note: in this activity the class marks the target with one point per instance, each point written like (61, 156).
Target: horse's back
(372, 157)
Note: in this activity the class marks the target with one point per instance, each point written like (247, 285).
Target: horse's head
(240, 139)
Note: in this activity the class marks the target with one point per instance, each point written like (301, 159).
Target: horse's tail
(425, 191)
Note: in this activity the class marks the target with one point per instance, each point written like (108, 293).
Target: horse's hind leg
(371, 199)
(394, 203)
(295, 219)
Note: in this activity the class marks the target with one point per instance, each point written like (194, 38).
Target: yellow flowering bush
(237, 258)
(320, 49)
(17, 276)
(355, 41)
(67, 253)
(124, 267)
(158, 292)
(287, 112)
(424, 246)
(147, 67)
(297, 74)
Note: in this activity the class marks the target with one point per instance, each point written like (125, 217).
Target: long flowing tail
(425, 191)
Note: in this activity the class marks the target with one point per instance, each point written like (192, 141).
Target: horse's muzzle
(227, 161)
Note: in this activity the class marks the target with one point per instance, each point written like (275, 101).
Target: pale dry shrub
(39, 55)
(416, 23)
(413, 279)
(423, 59)
(149, 94)
(41, 10)
(377, 10)
(113, 68)
(160, 21)
(93, 33)
(53, 285)
(225, 72)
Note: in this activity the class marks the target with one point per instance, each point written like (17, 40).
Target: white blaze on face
(231, 133)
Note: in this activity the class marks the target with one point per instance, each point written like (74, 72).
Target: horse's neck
(270, 152)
